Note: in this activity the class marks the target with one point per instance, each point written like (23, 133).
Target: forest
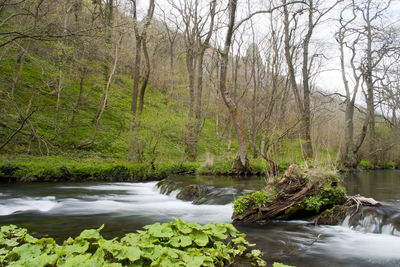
(171, 81)
(291, 92)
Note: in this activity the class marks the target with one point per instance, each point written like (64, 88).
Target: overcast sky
(329, 77)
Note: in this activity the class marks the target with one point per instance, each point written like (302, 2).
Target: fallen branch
(18, 130)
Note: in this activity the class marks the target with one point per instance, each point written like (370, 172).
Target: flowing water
(369, 238)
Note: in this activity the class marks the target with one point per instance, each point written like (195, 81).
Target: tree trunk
(350, 156)
(80, 96)
(243, 161)
(189, 139)
(199, 95)
(145, 80)
(18, 68)
(136, 79)
(59, 89)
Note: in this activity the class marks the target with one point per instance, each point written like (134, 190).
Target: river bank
(68, 169)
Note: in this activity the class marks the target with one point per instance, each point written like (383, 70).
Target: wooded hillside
(174, 81)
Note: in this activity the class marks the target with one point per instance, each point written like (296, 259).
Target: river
(369, 238)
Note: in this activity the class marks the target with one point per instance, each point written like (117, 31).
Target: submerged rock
(192, 192)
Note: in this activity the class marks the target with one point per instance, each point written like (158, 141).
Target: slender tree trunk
(18, 68)
(59, 89)
(368, 76)
(136, 80)
(104, 99)
(189, 140)
(233, 111)
(350, 159)
(307, 146)
(140, 40)
(199, 95)
(80, 96)
(145, 80)
(230, 137)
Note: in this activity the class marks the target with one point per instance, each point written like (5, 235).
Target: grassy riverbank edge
(24, 168)
(62, 169)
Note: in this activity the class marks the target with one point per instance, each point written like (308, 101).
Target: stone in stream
(192, 192)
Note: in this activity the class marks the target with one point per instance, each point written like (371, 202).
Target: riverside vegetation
(168, 244)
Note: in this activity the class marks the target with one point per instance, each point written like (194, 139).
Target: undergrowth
(169, 244)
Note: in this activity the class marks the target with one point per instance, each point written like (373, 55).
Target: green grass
(162, 128)
(55, 168)
(161, 135)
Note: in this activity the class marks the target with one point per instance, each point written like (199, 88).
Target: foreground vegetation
(168, 244)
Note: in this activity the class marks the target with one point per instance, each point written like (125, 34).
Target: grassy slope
(163, 122)
(162, 125)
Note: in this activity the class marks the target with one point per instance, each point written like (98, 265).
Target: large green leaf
(27, 251)
(110, 246)
(97, 259)
(78, 246)
(194, 261)
(76, 260)
(180, 241)
(199, 237)
(131, 253)
(3, 251)
(219, 230)
(42, 260)
(183, 227)
(160, 230)
(90, 234)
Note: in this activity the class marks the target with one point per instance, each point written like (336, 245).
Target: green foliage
(366, 164)
(221, 166)
(328, 196)
(283, 165)
(390, 165)
(168, 244)
(278, 264)
(56, 168)
(257, 199)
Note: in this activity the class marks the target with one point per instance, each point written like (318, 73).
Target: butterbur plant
(169, 244)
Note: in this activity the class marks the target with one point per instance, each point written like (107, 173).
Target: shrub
(257, 199)
(366, 164)
(390, 165)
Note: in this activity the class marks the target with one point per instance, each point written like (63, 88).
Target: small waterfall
(379, 220)
(211, 195)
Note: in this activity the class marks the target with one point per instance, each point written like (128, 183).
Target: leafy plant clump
(328, 196)
(169, 244)
(257, 199)
(366, 164)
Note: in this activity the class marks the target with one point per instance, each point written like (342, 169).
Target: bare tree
(197, 30)
(302, 94)
(141, 39)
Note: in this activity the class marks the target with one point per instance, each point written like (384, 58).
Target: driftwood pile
(292, 190)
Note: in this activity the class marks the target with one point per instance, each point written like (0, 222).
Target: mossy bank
(57, 169)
